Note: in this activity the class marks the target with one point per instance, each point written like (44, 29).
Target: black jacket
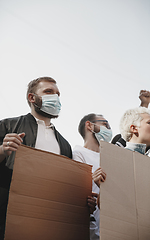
(27, 124)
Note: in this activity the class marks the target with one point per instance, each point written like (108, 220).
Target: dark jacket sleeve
(5, 173)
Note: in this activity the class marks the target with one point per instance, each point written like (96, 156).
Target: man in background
(93, 128)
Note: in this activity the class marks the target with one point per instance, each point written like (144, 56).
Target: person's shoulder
(78, 148)
(9, 120)
(15, 119)
(78, 153)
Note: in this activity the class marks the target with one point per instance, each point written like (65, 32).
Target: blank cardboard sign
(125, 195)
(48, 197)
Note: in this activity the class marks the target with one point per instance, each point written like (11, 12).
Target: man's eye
(49, 91)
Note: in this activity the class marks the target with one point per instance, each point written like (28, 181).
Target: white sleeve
(77, 156)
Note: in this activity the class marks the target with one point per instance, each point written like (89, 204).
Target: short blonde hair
(131, 117)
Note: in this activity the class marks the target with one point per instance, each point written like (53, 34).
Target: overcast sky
(97, 51)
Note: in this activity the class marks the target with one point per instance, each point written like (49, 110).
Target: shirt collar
(41, 121)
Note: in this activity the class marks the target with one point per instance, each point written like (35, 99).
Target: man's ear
(89, 125)
(134, 129)
(31, 97)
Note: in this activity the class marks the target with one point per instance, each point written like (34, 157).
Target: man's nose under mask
(50, 104)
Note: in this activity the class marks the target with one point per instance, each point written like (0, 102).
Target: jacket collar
(137, 147)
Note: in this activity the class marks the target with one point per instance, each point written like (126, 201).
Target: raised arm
(144, 96)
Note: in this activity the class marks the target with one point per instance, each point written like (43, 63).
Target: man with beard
(35, 130)
(93, 128)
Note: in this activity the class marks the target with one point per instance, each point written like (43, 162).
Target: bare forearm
(145, 98)
(144, 104)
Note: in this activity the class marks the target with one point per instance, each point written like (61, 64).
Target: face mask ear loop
(35, 103)
(92, 130)
(37, 95)
(96, 125)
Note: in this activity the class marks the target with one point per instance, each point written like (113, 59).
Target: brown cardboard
(48, 197)
(125, 195)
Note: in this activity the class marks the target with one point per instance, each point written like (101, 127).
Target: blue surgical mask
(51, 104)
(104, 134)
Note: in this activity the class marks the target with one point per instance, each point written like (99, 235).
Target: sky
(97, 51)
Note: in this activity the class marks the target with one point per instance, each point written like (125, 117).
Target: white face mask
(104, 134)
(51, 104)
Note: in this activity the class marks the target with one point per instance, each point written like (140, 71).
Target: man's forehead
(100, 117)
(46, 84)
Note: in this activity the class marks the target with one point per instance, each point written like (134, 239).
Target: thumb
(21, 135)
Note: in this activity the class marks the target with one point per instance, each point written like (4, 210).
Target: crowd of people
(36, 130)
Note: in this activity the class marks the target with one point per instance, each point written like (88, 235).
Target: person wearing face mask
(35, 130)
(135, 129)
(93, 128)
(144, 97)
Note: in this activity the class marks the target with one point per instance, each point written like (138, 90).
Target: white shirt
(46, 139)
(85, 155)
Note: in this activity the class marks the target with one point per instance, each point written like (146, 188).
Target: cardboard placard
(48, 197)
(125, 195)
